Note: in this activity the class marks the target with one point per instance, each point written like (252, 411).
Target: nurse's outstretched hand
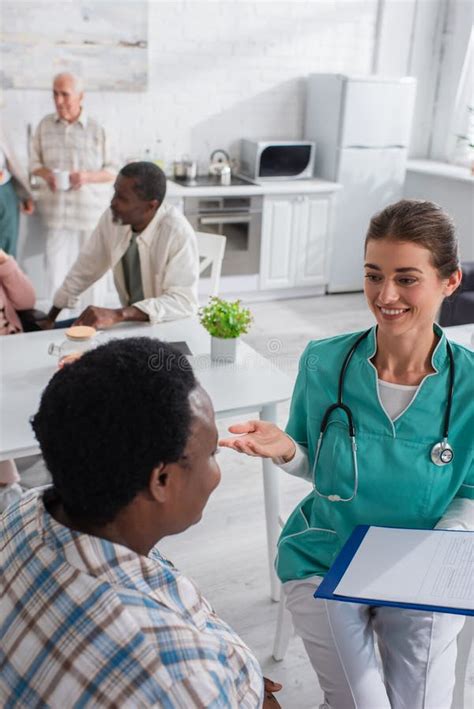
(260, 438)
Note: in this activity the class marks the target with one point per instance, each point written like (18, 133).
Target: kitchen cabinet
(295, 241)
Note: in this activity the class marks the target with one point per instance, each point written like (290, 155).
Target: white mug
(62, 180)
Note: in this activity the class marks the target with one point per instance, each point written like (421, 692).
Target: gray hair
(77, 81)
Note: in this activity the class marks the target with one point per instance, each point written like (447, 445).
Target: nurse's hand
(260, 438)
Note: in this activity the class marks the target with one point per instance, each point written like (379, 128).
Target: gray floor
(226, 552)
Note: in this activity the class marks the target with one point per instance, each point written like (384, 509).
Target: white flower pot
(224, 349)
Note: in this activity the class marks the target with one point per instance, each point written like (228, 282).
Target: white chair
(211, 249)
(284, 627)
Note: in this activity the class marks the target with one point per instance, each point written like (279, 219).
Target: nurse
(396, 386)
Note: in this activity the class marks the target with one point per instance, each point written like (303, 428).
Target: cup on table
(62, 179)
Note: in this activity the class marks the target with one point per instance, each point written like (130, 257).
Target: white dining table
(250, 385)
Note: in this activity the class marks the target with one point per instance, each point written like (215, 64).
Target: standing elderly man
(70, 141)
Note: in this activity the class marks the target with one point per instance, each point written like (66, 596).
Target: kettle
(220, 166)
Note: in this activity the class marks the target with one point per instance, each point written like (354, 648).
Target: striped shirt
(89, 623)
(77, 146)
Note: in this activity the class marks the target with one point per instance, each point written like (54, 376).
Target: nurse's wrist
(288, 456)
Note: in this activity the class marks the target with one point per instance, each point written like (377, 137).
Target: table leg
(271, 490)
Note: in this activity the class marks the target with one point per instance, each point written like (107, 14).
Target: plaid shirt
(89, 623)
(81, 145)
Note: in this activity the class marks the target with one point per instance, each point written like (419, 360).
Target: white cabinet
(295, 241)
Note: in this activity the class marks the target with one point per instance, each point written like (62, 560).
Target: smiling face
(403, 288)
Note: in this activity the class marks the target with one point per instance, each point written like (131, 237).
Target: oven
(239, 219)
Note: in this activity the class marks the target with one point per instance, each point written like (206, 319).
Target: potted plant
(225, 321)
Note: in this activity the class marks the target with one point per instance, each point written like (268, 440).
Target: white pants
(62, 250)
(417, 649)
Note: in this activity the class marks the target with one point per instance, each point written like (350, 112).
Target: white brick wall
(221, 70)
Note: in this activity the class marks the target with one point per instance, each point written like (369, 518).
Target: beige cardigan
(19, 176)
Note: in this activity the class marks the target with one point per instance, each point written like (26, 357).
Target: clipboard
(327, 588)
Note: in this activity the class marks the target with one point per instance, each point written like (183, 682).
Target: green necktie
(131, 271)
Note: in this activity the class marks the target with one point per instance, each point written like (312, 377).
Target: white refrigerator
(361, 126)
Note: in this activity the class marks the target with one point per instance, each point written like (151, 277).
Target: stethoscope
(441, 453)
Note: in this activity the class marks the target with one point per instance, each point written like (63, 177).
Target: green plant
(225, 318)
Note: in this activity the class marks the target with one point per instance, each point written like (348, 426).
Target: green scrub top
(399, 485)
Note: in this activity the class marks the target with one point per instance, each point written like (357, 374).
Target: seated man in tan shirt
(151, 248)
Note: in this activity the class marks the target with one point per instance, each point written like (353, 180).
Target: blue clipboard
(338, 569)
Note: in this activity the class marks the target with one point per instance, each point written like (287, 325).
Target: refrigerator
(361, 126)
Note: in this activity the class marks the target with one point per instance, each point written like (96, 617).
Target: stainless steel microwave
(277, 160)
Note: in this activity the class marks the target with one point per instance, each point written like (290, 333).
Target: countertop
(264, 188)
(441, 169)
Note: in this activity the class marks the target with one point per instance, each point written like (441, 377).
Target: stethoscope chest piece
(442, 453)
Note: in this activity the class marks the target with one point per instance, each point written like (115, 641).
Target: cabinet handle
(225, 220)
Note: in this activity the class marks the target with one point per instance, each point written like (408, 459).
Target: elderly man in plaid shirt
(91, 615)
(71, 141)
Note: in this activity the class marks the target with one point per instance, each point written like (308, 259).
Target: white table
(251, 384)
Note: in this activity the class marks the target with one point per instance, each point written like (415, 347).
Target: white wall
(222, 70)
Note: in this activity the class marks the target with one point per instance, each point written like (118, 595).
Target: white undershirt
(395, 398)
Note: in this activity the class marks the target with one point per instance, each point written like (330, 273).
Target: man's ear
(154, 204)
(160, 482)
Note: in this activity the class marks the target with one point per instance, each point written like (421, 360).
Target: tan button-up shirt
(77, 146)
(169, 265)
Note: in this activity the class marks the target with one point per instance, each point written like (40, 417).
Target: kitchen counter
(441, 169)
(265, 188)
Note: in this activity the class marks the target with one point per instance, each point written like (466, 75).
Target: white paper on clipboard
(430, 567)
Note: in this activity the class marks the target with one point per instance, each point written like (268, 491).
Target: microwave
(277, 159)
